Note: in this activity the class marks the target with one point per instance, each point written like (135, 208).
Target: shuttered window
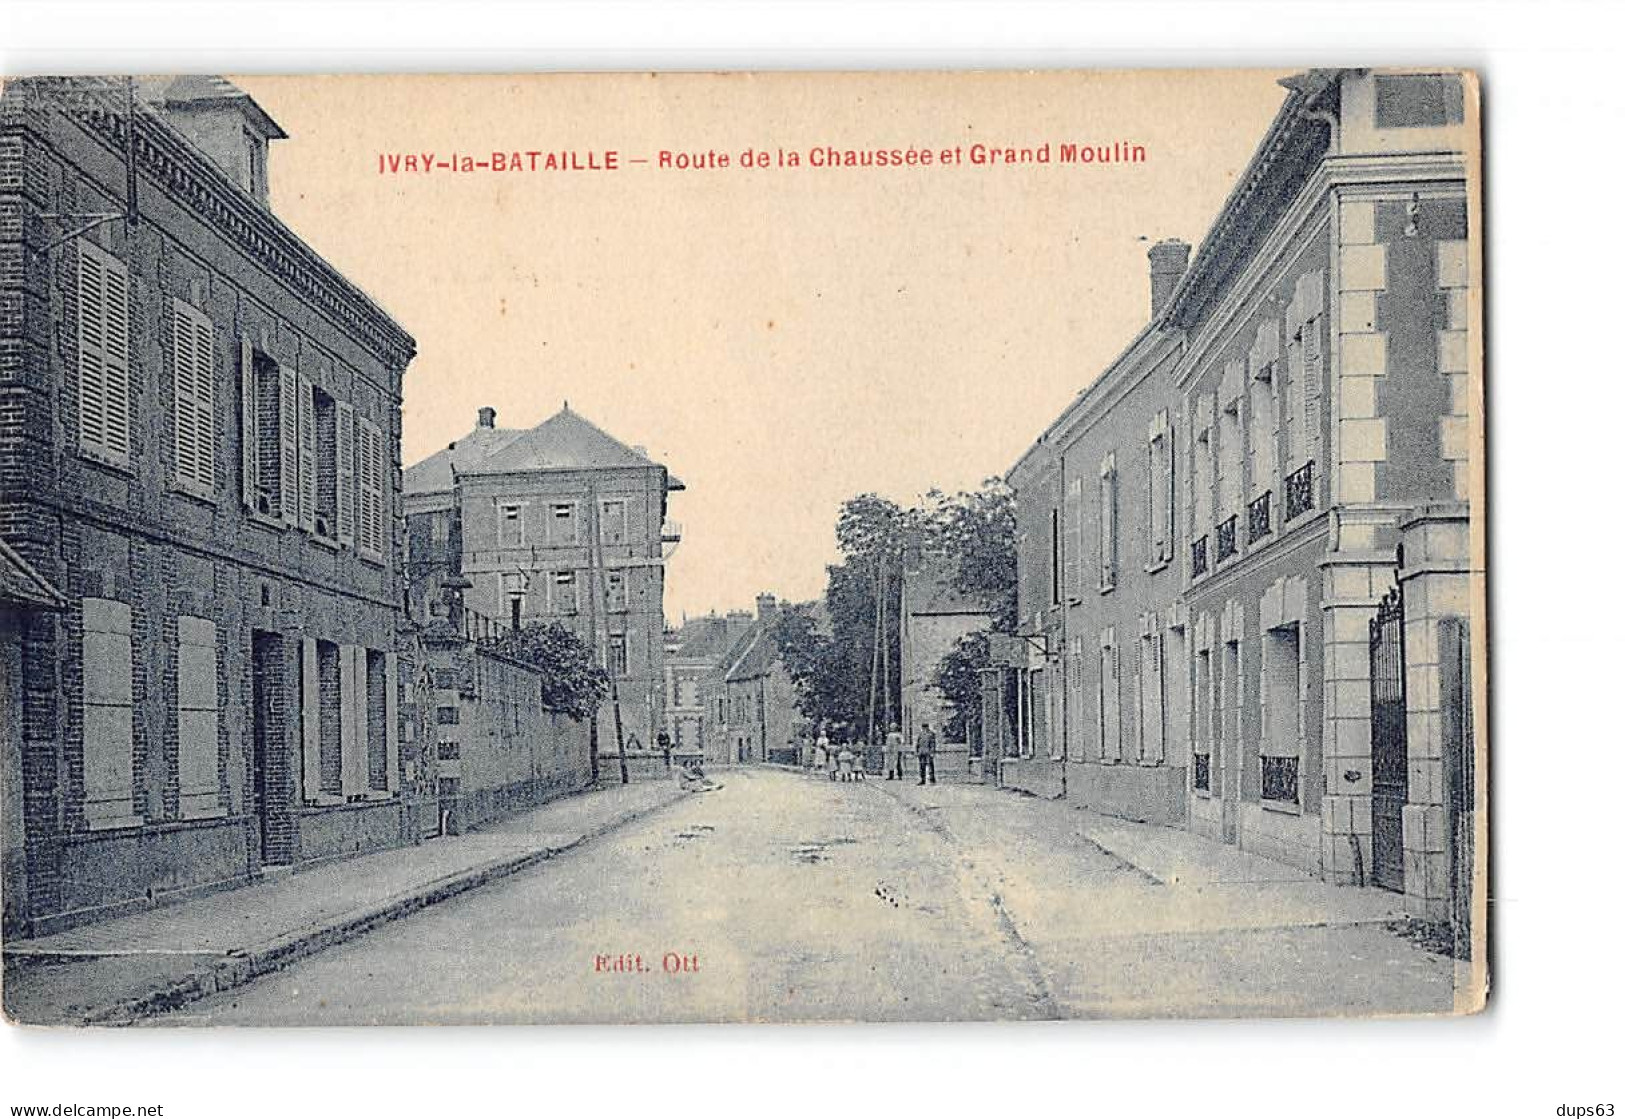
(109, 743)
(104, 356)
(192, 346)
(370, 482)
(197, 702)
(307, 454)
(288, 427)
(1108, 523)
(344, 485)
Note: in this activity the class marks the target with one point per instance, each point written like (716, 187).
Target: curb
(243, 966)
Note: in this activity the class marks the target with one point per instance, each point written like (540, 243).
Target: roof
(756, 653)
(202, 89)
(435, 473)
(931, 590)
(21, 585)
(565, 441)
(702, 639)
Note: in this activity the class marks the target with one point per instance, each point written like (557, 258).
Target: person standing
(894, 753)
(925, 752)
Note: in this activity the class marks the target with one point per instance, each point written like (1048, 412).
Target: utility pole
(595, 590)
(874, 655)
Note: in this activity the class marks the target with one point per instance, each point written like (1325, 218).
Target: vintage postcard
(781, 547)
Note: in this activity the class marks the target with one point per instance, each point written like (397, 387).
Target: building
(694, 653)
(1244, 549)
(933, 615)
(198, 450)
(749, 698)
(530, 519)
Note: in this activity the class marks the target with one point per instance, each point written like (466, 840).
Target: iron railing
(1202, 767)
(1300, 491)
(483, 630)
(1199, 556)
(1258, 518)
(1224, 536)
(1280, 779)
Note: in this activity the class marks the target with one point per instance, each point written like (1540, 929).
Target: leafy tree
(961, 686)
(572, 683)
(827, 691)
(977, 532)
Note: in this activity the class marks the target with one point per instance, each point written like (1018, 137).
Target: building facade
(199, 450)
(694, 654)
(531, 519)
(1244, 549)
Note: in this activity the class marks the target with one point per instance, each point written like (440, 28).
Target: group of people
(844, 762)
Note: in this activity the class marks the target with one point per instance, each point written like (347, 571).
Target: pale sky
(781, 338)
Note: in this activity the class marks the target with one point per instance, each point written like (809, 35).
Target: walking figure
(894, 753)
(925, 752)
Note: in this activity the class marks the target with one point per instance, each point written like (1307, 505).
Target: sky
(781, 338)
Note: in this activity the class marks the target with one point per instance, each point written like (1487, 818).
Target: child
(845, 760)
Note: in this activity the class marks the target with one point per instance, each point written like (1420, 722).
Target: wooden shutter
(250, 425)
(307, 455)
(392, 741)
(352, 719)
(288, 425)
(1072, 537)
(1154, 686)
(1314, 372)
(344, 452)
(192, 337)
(369, 469)
(104, 356)
(310, 707)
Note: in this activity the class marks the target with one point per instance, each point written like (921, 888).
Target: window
(370, 468)
(440, 528)
(323, 486)
(448, 751)
(565, 597)
(376, 714)
(325, 694)
(109, 742)
(104, 356)
(511, 526)
(562, 518)
(1229, 485)
(447, 715)
(1261, 428)
(192, 357)
(617, 654)
(1108, 523)
(1159, 491)
(1153, 696)
(1279, 695)
(1072, 525)
(1110, 697)
(1055, 557)
(1202, 732)
(197, 704)
(613, 527)
(615, 591)
(1418, 100)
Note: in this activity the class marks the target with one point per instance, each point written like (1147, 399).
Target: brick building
(530, 518)
(198, 449)
(1244, 549)
(693, 654)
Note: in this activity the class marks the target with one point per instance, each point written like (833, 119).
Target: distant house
(515, 513)
(750, 699)
(933, 617)
(694, 653)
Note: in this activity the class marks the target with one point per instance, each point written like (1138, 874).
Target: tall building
(198, 449)
(1244, 560)
(531, 519)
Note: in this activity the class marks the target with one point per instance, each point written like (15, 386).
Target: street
(784, 897)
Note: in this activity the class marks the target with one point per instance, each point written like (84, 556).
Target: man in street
(663, 740)
(925, 752)
(894, 753)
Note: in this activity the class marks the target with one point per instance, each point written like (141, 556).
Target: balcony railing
(1300, 491)
(482, 630)
(1280, 779)
(1224, 537)
(1199, 556)
(1258, 518)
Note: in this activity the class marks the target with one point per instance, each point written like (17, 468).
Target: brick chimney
(767, 607)
(1168, 259)
(488, 417)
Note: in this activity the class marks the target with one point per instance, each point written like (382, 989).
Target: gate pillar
(1436, 577)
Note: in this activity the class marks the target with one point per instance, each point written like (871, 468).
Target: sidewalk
(115, 971)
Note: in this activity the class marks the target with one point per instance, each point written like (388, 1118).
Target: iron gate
(1389, 779)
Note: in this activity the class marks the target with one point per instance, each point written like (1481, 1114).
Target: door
(1389, 757)
(1229, 719)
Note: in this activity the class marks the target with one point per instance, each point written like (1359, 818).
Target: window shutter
(392, 742)
(310, 707)
(1072, 535)
(344, 453)
(307, 456)
(352, 719)
(193, 343)
(250, 425)
(1314, 367)
(104, 356)
(288, 421)
(1156, 700)
(370, 478)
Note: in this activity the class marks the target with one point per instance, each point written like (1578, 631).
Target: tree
(976, 531)
(958, 677)
(572, 682)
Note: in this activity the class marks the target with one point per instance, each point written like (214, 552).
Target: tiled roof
(434, 474)
(702, 639)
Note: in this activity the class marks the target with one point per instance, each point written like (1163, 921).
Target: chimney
(488, 417)
(767, 607)
(736, 623)
(1168, 262)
